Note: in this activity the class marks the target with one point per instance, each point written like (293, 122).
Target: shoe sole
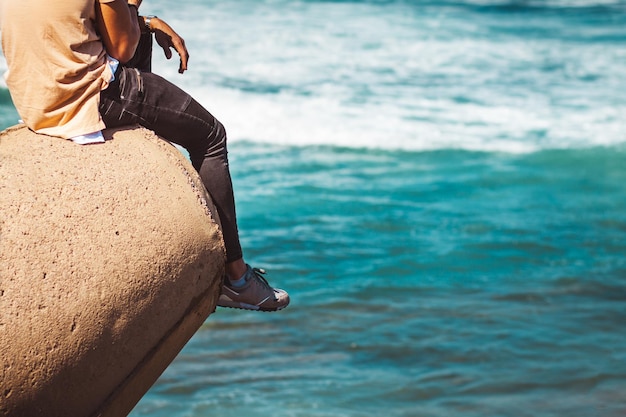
(251, 307)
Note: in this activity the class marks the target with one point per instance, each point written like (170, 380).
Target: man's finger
(184, 55)
(184, 58)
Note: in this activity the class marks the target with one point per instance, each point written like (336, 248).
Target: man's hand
(167, 38)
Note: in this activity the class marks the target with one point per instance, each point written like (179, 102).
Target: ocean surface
(441, 187)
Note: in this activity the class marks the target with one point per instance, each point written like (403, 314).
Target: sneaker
(255, 294)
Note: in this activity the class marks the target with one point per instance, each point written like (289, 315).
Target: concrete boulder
(111, 257)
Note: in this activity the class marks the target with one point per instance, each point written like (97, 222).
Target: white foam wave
(445, 125)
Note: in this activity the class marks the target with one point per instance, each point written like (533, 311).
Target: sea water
(440, 186)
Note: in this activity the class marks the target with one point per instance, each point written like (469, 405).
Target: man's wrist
(147, 22)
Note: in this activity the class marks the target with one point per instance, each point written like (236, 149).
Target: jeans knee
(216, 139)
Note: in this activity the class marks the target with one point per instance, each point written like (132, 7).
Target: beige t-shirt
(56, 64)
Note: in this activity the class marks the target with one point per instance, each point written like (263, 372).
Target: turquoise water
(440, 187)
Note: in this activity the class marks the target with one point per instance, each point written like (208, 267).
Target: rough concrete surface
(111, 258)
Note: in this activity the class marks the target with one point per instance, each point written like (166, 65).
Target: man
(68, 77)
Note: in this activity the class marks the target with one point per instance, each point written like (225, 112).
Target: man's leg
(155, 103)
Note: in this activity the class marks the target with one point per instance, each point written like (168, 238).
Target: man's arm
(119, 28)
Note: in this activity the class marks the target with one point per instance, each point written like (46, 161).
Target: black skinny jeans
(144, 98)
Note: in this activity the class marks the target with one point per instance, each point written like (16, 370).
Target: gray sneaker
(255, 294)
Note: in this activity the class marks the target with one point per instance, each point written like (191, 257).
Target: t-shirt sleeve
(105, 1)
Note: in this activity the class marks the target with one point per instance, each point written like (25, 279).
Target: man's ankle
(239, 282)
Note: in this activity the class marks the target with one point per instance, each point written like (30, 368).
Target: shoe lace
(258, 274)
